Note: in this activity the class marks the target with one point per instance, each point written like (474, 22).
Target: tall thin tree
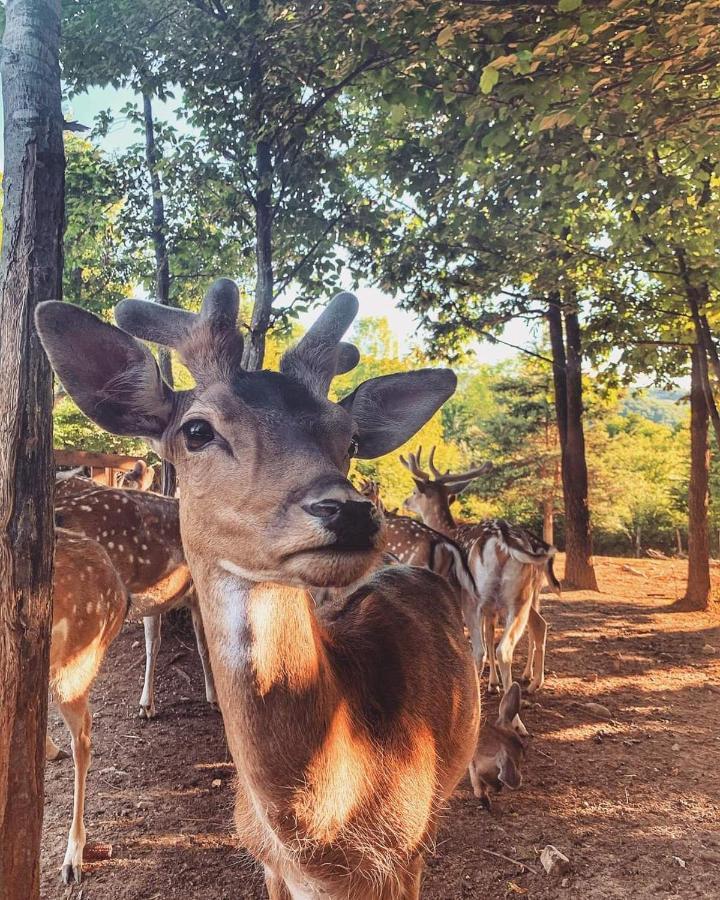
(31, 272)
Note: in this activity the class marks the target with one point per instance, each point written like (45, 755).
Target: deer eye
(197, 433)
(353, 448)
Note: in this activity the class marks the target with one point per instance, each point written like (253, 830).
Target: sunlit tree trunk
(31, 271)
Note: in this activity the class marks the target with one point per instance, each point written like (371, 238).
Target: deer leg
(537, 627)
(412, 880)
(76, 714)
(276, 887)
(202, 647)
(152, 626)
(514, 628)
(527, 674)
(52, 751)
(489, 629)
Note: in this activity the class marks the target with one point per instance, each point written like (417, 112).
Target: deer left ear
(390, 409)
(113, 378)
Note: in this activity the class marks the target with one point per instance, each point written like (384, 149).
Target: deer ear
(390, 409)
(510, 705)
(112, 377)
(508, 772)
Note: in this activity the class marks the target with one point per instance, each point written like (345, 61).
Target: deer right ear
(112, 377)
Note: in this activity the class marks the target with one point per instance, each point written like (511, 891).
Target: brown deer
(507, 564)
(89, 606)
(139, 478)
(141, 533)
(500, 750)
(351, 725)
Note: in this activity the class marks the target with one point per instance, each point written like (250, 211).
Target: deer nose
(355, 523)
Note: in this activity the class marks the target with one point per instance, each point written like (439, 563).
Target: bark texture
(262, 307)
(697, 594)
(567, 377)
(162, 263)
(31, 272)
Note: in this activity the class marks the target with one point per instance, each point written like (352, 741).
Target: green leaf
(569, 5)
(445, 36)
(488, 79)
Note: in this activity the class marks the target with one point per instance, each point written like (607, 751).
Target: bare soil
(632, 801)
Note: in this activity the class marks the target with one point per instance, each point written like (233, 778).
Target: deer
(90, 603)
(507, 563)
(139, 478)
(500, 751)
(349, 725)
(141, 533)
(415, 544)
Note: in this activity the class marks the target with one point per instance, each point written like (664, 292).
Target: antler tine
(449, 478)
(437, 475)
(412, 464)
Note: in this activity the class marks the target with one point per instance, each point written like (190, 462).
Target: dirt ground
(632, 801)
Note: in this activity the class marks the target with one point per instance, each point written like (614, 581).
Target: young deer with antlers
(507, 563)
(140, 532)
(89, 606)
(349, 726)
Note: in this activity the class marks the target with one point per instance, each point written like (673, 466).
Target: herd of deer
(346, 740)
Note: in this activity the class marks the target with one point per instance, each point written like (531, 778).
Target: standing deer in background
(141, 533)
(416, 544)
(89, 606)
(507, 564)
(349, 726)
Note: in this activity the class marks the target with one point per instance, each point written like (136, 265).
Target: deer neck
(438, 516)
(272, 674)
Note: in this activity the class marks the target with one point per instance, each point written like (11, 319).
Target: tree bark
(697, 594)
(567, 379)
(260, 322)
(162, 264)
(31, 271)
(548, 520)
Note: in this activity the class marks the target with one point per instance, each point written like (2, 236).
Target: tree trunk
(697, 595)
(678, 539)
(567, 378)
(638, 542)
(31, 271)
(162, 264)
(548, 520)
(255, 346)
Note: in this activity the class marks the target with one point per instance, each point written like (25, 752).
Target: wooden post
(31, 271)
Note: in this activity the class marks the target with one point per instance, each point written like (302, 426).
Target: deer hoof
(71, 873)
(493, 689)
(147, 712)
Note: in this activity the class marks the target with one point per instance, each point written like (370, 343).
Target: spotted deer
(415, 544)
(89, 606)
(508, 564)
(349, 725)
(141, 533)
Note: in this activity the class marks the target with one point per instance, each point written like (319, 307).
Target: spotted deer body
(508, 566)
(350, 725)
(89, 606)
(140, 531)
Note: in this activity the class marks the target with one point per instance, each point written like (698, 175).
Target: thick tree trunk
(31, 271)
(567, 378)
(162, 264)
(255, 346)
(697, 595)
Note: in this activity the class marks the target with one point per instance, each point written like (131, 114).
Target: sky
(373, 302)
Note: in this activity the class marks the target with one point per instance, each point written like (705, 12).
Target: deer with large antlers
(507, 564)
(349, 726)
(140, 531)
(89, 606)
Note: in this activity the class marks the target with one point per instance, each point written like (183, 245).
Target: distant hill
(666, 407)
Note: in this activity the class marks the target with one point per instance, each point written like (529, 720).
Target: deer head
(139, 478)
(500, 750)
(262, 456)
(435, 491)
